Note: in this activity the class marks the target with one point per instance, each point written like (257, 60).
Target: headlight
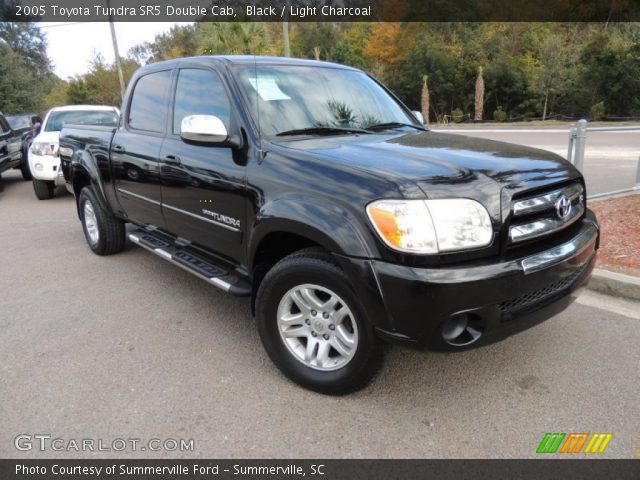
(431, 226)
(65, 152)
(42, 148)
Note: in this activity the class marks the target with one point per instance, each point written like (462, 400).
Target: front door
(202, 186)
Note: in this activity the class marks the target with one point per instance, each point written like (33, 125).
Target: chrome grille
(549, 212)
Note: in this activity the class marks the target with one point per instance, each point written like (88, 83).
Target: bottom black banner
(320, 469)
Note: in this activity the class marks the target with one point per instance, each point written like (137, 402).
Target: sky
(73, 44)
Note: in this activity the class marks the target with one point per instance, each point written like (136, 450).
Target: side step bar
(217, 275)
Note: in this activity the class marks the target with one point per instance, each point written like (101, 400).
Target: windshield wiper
(322, 131)
(390, 125)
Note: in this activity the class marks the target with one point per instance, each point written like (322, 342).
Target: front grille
(545, 213)
(540, 298)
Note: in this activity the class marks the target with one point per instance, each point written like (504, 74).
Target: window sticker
(268, 89)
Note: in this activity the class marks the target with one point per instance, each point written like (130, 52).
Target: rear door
(202, 186)
(136, 147)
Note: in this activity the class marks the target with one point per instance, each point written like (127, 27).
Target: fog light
(38, 166)
(462, 329)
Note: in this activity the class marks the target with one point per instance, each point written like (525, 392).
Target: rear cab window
(148, 102)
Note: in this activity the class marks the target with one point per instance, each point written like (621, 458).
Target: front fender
(336, 228)
(326, 223)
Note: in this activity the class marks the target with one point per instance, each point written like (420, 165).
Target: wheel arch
(81, 177)
(284, 227)
(320, 221)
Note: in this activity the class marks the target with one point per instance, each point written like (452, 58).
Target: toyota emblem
(563, 207)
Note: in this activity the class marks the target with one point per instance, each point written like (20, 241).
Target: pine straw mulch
(620, 233)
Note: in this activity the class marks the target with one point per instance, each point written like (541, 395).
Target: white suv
(44, 159)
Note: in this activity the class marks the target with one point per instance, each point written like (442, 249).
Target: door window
(199, 92)
(148, 104)
(4, 126)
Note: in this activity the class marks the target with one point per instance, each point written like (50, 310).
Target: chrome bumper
(585, 239)
(59, 181)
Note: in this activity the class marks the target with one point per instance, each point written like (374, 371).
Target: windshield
(290, 98)
(19, 121)
(57, 120)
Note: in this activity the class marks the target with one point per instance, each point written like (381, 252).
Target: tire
(24, 165)
(43, 189)
(334, 354)
(104, 233)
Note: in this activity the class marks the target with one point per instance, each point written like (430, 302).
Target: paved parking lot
(131, 347)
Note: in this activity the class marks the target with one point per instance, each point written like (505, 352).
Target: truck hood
(433, 158)
(443, 164)
(52, 138)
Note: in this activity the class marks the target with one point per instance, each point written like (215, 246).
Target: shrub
(457, 115)
(499, 115)
(597, 111)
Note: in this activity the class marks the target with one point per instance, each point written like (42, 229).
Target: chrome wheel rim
(317, 327)
(91, 223)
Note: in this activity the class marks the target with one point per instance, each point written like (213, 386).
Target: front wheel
(24, 165)
(43, 189)
(105, 234)
(313, 327)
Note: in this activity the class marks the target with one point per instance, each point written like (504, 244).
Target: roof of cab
(245, 60)
(83, 108)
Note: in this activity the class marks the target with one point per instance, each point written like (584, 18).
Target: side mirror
(203, 129)
(419, 116)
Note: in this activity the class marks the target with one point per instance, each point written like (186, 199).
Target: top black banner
(322, 10)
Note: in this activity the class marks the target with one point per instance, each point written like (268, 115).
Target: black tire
(43, 189)
(317, 267)
(24, 165)
(110, 230)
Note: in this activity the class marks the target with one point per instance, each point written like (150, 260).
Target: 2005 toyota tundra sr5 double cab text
(312, 189)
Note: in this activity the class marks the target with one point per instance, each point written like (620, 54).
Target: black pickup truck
(312, 189)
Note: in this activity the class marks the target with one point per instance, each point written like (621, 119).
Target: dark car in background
(13, 150)
(26, 125)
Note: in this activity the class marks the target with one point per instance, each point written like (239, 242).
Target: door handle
(172, 160)
(118, 149)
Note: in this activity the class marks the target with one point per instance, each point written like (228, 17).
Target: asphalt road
(611, 158)
(131, 347)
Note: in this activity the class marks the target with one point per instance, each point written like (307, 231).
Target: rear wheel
(43, 189)
(104, 233)
(313, 327)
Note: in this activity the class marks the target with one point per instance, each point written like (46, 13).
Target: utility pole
(115, 50)
(285, 38)
(285, 32)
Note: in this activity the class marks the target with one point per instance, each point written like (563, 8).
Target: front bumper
(495, 300)
(47, 168)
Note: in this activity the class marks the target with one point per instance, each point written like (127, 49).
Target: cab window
(199, 92)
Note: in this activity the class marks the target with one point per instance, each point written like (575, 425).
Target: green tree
(179, 41)
(20, 89)
(307, 36)
(234, 38)
(550, 72)
(99, 86)
(30, 43)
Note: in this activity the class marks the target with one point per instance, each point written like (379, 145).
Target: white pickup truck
(44, 158)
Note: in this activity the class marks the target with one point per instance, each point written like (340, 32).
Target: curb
(615, 284)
